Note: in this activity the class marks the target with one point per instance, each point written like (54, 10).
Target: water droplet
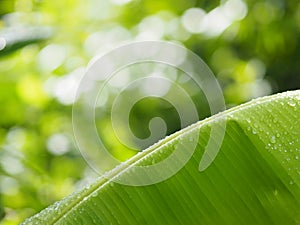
(191, 139)
(273, 139)
(292, 103)
(230, 116)
(254, 131)
(296, 157)
(95, 194)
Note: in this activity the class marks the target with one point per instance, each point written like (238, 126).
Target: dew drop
(95, 194)
(273, 139)
(230, 116)
(292, 103)
(191, 139)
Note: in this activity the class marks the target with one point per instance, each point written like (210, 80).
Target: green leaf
(1, 210)
(255, 178)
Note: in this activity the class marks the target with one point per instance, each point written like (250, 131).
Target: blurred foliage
(1, 211)
(16, 38)
(253, 47)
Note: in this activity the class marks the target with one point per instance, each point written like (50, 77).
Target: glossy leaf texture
(255, 178)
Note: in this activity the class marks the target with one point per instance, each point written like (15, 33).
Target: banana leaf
(253, 179)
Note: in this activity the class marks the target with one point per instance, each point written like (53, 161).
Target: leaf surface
(254, 179)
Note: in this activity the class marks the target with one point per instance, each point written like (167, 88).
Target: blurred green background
(253, 48)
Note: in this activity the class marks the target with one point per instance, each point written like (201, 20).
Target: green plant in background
(45, 45)
(1, 211)
(254, 179)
